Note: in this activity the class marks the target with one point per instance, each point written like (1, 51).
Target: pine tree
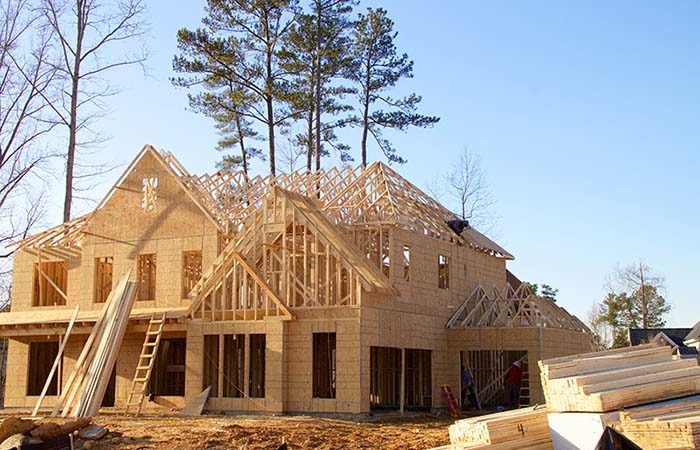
(634, 301)
(235, 130)
(234, 59)
(377, 68)
(317, 52)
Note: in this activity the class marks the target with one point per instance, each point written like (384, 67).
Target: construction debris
(54, 434)
(195, 406)
(15, 425)
(92, 432)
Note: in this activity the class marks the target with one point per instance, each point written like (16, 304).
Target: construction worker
(468, 389)
(514, 380)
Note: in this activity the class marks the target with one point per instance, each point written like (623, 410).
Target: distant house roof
(639, 336)
(694, 334)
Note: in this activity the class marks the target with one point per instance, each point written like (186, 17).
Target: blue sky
(585, 116)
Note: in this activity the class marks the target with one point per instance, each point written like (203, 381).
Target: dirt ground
(269, 432)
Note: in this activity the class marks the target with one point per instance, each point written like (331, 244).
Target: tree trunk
(270, 110)
(643, 298)
(271, 132)
(244, 154)
(318, 85)
(310, 138)
(269, 80)
(365, 112)
(73, 121)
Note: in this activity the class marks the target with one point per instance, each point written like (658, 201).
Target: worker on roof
(514, 380)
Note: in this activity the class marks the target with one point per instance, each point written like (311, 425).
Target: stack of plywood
(671, 424)
(615, 379)
(516, 429)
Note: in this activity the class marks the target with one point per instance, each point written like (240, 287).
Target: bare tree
(25, 119)
(601, 331)
(290, 153)
(465, 189)
(89, 33)
(644, 290)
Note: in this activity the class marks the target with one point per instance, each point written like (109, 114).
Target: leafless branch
(465, 189)
(92, 41)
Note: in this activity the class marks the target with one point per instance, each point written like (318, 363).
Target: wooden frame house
(340, 291)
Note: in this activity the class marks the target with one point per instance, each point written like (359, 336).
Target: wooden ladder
(450, 399)
(524, 395)
(142, 374)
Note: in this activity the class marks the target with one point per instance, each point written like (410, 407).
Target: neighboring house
(692, 339)
(673, 337)
(338, 291)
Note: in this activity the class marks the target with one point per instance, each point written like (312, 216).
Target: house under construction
(340, 291)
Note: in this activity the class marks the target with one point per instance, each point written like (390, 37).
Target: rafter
(509, 308)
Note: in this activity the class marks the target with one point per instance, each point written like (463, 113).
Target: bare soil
(269, 432)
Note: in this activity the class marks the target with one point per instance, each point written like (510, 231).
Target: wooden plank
(56, 362)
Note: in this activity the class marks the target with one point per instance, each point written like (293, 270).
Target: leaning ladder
(524, 396)
(450, 399)
(145, 365)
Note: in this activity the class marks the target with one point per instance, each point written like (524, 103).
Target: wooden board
(516, 425)
(607, 381)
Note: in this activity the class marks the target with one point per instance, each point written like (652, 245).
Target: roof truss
(508, 307)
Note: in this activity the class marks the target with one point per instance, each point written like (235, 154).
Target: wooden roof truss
(62, 240)
(351, 197)
(287, 255)
(508, 307)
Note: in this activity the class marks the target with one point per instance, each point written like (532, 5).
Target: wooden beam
(56, 362)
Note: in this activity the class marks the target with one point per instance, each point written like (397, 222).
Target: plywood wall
(123, 229)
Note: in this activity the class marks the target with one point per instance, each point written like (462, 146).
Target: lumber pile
(82, 394)
(615, 379)
(516, 429)
(671, 424)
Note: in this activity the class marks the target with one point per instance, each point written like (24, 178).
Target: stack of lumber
(82, 394)
(671, 424)
(524, 428)
(619, 378)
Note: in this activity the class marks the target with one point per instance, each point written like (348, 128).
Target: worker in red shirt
(514, 379)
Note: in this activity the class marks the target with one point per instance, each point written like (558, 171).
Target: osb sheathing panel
(298, 346)
(274, 364)
(123, 230)
(468, 268)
